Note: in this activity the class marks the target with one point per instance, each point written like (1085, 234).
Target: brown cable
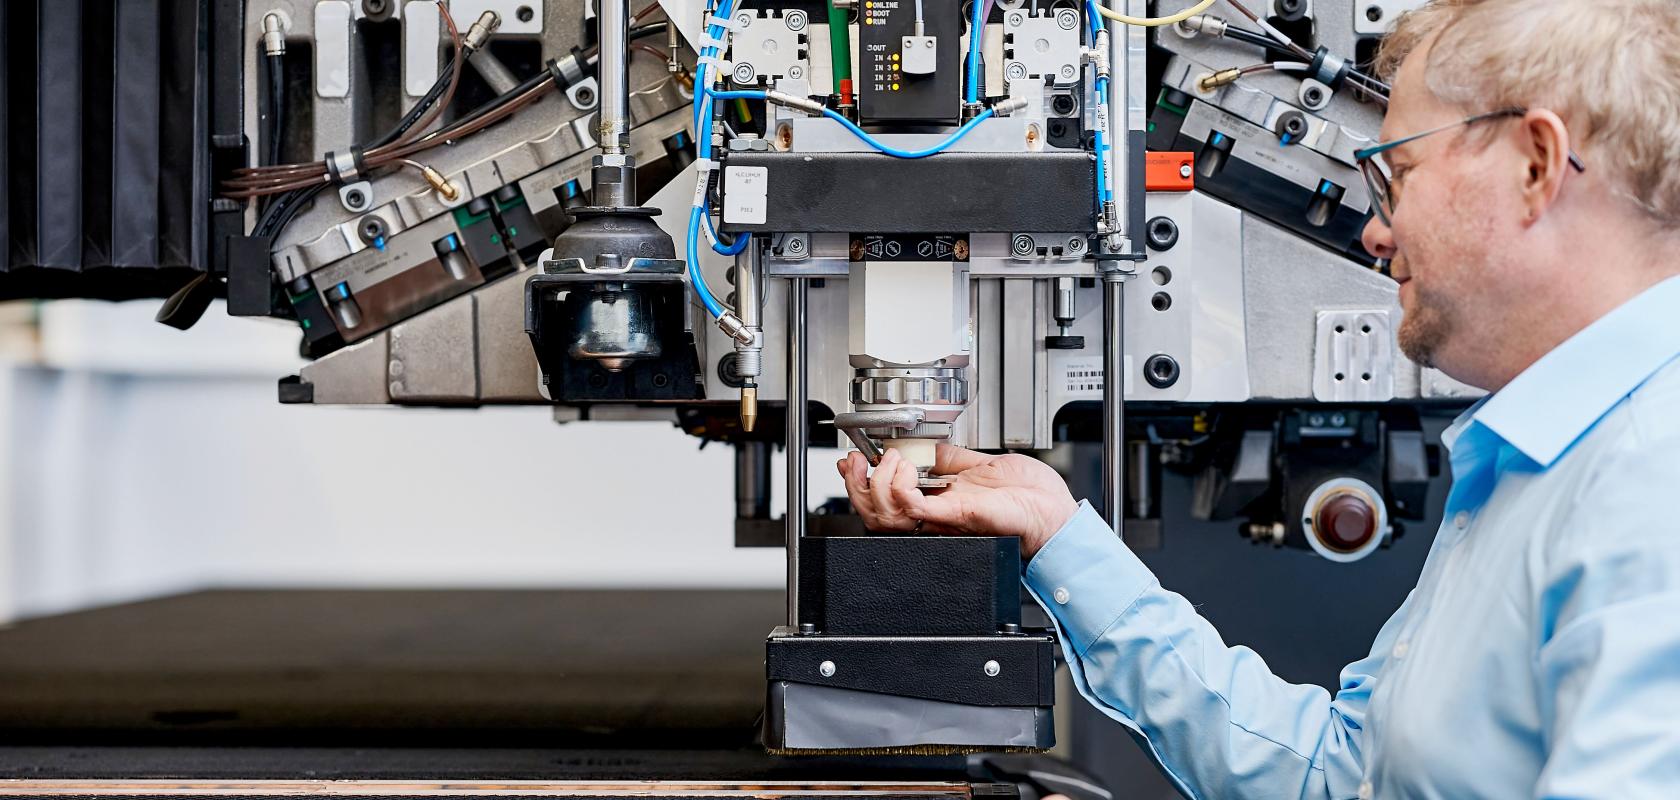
(253, 181)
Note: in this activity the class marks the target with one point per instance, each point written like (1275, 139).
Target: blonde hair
(1610, 68)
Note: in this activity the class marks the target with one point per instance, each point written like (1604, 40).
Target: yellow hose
(1153, 22)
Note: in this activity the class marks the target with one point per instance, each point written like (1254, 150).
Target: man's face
(1445, 228)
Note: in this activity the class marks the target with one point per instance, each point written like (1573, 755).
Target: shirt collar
(1564, 394)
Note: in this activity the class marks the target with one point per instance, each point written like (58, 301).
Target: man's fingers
(945, 511)
(950, 459)
(881, 486)
(855, 470)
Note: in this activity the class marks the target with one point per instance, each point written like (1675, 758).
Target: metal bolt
(795, 20)
(796, 246)
(1022, 245)
(1068, 72)
(1016, 19)
(826, 668)
(1184, 171)
(796, 71)
(1075, 244)
(356, 199)
(1316, 420)
(745, 20)
(744, 73)
(1338, 420)
(1016, 70)
(1066, 19)
(993, 668)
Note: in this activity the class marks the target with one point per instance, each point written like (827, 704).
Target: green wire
(840, 44)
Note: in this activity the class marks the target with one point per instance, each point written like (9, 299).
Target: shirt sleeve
(1218, 721)
(1609, 656)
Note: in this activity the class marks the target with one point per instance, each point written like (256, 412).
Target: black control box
(890, 94)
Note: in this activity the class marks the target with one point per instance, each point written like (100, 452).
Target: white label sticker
(744, 199)
(1082, 378)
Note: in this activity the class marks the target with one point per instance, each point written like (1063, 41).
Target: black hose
(1271, 45)
(419, 109)
(276, 106)
(1275, 48)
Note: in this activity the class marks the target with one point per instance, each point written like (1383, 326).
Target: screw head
(1184, 171)
(1016, 70)
(1022, 244)
(826, 669)
(1016, 19)
(993, 669)
(796, 71)
(355, 198)
(744, 73)
(1068, 72)
(745, 20)
(1338, 420)
(795, 20)
(1066, 19)
(796, 246)
(1075, 244)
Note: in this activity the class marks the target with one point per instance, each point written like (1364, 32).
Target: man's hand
(1009, 495)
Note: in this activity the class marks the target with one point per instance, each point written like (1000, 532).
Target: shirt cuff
(1087, 577)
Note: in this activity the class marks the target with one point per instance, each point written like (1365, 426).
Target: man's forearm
(1217, 719)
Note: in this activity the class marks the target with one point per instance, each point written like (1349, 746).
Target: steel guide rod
(797, 389)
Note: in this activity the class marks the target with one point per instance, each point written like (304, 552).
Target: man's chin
(1418, 339)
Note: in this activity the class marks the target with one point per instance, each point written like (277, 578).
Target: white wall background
(136, 460)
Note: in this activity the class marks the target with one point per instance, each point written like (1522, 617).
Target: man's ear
(1543, 141)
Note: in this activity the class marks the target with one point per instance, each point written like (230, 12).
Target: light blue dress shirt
(1539, 655)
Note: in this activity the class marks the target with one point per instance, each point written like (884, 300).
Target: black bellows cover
(104, 131)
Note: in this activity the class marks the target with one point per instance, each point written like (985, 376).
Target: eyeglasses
(1379, 177)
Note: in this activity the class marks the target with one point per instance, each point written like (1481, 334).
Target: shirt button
(1461, 520)
(1401, 648)
(1365, 791)
(1061, 595)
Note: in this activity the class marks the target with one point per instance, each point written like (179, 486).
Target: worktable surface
(545, 668)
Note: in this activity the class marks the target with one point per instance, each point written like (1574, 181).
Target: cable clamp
(726, 23)
(1329, 68)
(567, 71)
(708, 40)
(345, 166)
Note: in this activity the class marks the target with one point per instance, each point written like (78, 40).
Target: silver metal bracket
(585, 94)
(356, 197)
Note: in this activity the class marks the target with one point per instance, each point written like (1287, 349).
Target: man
(1532, 227)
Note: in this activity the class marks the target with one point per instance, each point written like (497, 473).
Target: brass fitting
(749, 407)
(1224, 77)
(441, 184)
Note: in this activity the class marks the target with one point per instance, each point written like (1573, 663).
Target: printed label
(745, 202)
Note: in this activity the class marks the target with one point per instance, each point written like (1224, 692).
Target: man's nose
(1378, 238)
